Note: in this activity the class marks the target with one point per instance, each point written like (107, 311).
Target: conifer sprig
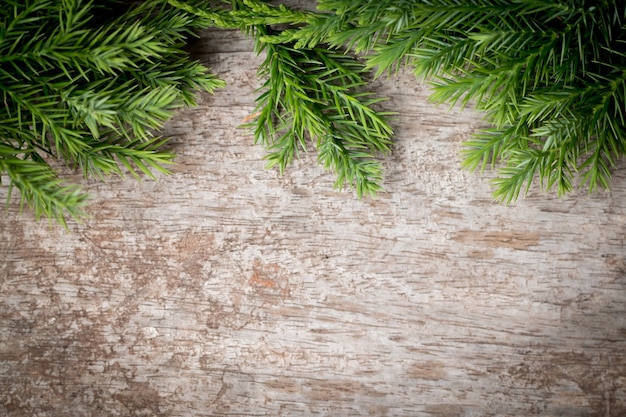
(89, 83)
(549, 76)
(310, 93)
(313, 93)
(39, 186)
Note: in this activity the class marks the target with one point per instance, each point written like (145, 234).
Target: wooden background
(226, 289)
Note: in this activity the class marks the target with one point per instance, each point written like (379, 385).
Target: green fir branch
(314, 93)
(546, 74)
(40, 188)
(310, 93)
(92, 90)
(92, 82)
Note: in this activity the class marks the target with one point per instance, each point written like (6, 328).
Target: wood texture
(226, 289)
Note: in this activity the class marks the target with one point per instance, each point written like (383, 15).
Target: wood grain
(227, 289)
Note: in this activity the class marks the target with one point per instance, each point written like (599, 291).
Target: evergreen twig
(91, 89)
(549, 75)
(310, 92)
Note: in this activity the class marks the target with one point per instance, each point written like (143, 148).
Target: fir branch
(40, 188)
(546, 74)
(313, 92)
(91, 90)
(102, 159)
(310, 92)
(245, 14)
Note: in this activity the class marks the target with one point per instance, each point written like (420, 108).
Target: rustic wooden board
(226, 289)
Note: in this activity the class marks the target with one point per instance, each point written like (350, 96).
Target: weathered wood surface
(226, 289)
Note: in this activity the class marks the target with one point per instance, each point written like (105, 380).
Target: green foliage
(310, 92)
(89, 83)
(315, 92)
(550, 76)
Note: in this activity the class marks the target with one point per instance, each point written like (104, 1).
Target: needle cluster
(311, 93)
(88, 84)
(549, 76)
